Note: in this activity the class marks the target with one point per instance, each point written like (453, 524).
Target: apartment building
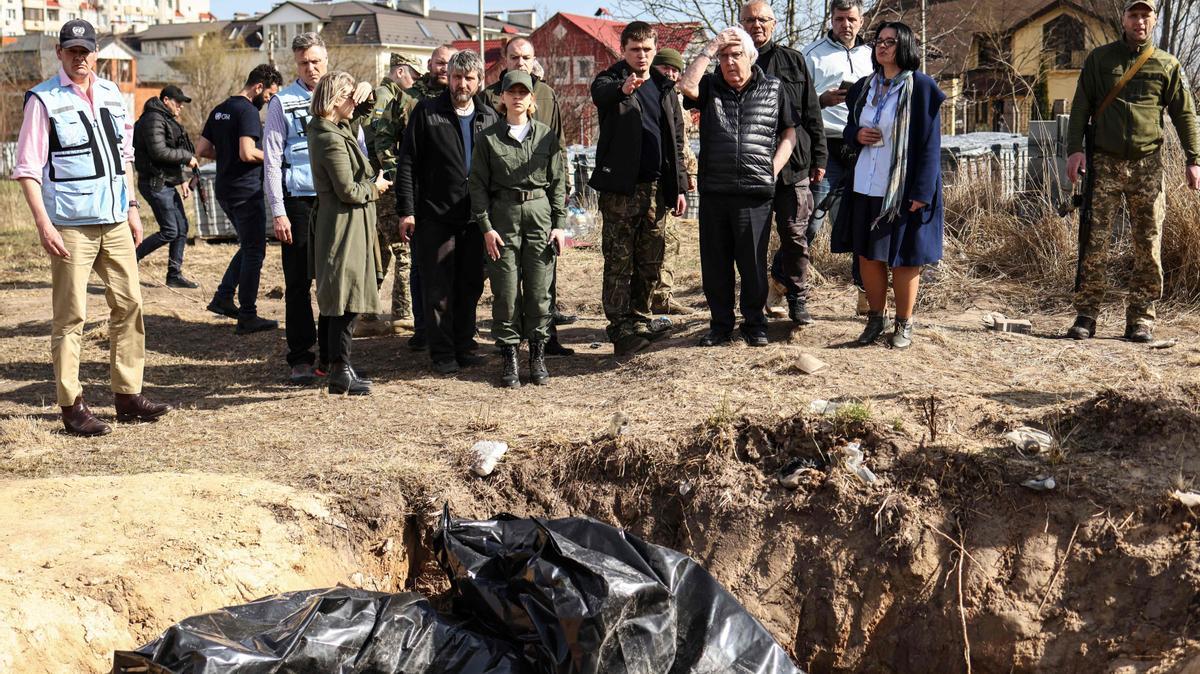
(34, 17)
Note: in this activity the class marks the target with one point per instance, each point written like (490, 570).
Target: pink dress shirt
(33, 143)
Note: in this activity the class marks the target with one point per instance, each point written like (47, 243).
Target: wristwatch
(134, 204)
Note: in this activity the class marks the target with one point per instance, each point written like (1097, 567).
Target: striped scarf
(893, 196)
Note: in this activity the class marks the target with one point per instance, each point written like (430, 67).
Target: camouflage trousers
(633, 238)
(1139, 184)
(666, 276)
(392, 247)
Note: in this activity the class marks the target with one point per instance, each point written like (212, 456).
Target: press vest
(83, 183)
(297, 171)
(738, 137)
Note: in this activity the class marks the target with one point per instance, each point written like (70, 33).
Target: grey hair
(466, 61)
(747, 42)
(306, 41)
(752, 3)
(845, 6)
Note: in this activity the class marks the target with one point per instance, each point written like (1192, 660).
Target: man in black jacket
(161, 151)
(435, 160)
(747, 134)
(793, 197)
(640, 176)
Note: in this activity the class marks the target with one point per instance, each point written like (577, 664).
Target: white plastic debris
(619, 425)
(1040, 483)
(1163, 344)
(1029, 440)
(808, 363)
(685, 487)
(1188, 498)
(1001, 323)
(823, 407)
(852, 457)
(487, 455)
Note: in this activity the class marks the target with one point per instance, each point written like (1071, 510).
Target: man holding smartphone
(836, 62)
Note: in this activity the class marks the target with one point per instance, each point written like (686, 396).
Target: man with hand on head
(75, 168)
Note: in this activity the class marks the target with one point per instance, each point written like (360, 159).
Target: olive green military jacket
(500, 163)
(1132, 125)
(388, 119)
(343, 249)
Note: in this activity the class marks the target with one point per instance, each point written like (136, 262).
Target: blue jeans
(249, 218)
(835, 171)
(167, 207)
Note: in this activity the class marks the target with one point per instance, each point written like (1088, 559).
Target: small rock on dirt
(276, 293)
(1029, 440)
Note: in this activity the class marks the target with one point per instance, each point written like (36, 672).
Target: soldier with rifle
(1115, 137)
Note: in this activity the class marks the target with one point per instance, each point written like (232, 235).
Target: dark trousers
(167, 206)
(792, 207)
(339, 335)
(302, 335)
(734, 232)
(418, 300)
(827, 197)
(450, 256)
(249, 218)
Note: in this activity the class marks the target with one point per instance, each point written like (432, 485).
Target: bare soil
(945, 554)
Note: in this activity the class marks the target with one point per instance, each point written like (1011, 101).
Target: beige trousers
(109, 250)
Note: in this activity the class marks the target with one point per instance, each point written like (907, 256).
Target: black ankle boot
(877, 324)
(509, 377)
(537, 362)
(343, 382)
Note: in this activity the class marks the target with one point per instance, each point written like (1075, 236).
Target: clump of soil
(945, 555)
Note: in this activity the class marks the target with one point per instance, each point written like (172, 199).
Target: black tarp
(528, 596)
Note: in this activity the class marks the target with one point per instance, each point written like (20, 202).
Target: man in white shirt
(836, 61)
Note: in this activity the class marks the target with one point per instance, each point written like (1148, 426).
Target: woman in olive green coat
(518, 193)
(343, 246)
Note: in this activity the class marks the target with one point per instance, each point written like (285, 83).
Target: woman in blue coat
(893, 218)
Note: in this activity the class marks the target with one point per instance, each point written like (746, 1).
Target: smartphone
(390, 175)
(554, 245)
(845, 85)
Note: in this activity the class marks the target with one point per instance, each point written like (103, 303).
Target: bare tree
(214, 68)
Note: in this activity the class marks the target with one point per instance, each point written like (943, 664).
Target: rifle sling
(1125, 79)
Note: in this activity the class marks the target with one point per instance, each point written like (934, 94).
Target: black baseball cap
(174, 93)
(77, 33)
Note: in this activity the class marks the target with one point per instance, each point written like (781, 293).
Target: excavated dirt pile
(945, 554)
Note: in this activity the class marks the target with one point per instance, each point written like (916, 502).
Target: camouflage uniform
(390, 115)
(1127, 162)
(1140, 182)
(661, 299)
(426, 87)
(633, 240)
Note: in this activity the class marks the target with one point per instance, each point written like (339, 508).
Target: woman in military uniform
(518, 192)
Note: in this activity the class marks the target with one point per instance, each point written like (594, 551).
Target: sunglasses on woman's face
(886, 43)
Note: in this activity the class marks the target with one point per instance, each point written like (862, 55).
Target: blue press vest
(83, 183)
(297, 171)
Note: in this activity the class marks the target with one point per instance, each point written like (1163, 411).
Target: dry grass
(1022, 251)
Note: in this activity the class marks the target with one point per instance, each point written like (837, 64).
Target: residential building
(27, 17)
(1004, 64)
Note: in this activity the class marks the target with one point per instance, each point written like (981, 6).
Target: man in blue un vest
(75, 167)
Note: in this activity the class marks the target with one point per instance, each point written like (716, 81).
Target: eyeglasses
(760, 20)
(886, 43)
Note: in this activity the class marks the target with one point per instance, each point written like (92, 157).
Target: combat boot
(1141, 333)
(509, 376)
(538, 374)
(1084, 328)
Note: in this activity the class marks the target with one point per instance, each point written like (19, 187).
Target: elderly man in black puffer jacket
(747, 134)
(161, 150)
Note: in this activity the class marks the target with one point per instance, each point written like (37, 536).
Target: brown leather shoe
(79, 420)
(135, 407)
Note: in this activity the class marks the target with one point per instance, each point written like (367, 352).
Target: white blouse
(875, 162)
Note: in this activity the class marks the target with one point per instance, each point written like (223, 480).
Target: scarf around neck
(897, 172)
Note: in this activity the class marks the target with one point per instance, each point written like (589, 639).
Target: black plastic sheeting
(529, 596)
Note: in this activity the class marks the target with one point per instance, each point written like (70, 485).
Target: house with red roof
(573, 49)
